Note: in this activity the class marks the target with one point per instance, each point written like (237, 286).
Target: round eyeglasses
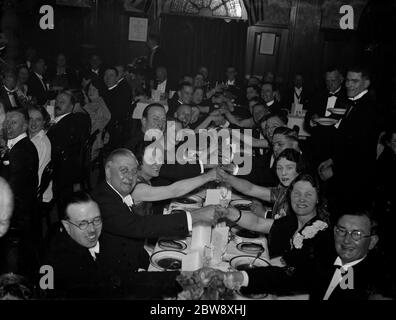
(356, 235)
(83, 225)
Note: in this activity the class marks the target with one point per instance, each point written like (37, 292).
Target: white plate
(242, 262)
(172, 244)
(326, 121)
(167, 260)
(339, 111)
(243, 205)
(245, 235)
(250, 247)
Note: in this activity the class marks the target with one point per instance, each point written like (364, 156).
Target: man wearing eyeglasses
(358, 273)
(75, 255)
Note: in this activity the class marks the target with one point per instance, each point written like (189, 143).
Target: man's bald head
(121, 170)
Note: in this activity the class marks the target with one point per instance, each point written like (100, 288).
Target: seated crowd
(82, 189)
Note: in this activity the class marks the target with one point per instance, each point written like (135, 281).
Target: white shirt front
(43, 146)
(230, 82)
(94, 250)
(331, 101)
(161, 87)
(297, 95)
(13, 142)
(337, 277)
(269, 104)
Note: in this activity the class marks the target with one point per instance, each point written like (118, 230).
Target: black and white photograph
(203, 157)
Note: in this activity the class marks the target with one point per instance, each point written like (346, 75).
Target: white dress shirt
(269, 104)
(161, 87)
(331, 101)
(129, 202)
(337, 277)
(230, 82)
(94, 250)
(13, 142)
(297, 95)
(43, 146)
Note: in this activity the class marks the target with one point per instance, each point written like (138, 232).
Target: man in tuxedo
(334, 96)
(161, 83)
(37, 84)
(353, 158)
(183, 96)
(124, 231)
(95, 69)
(268, 95)
(298, 94)
(19, 167)
(118, 98)
(75, 252)
(8, 95)
(358, 273)
(76, 255)
(67, 136)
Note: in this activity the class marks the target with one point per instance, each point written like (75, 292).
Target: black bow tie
(332, 94)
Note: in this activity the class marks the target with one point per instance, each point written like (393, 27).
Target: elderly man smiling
(124, 231)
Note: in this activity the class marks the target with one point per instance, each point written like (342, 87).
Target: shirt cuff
(245, 281)
(189, 221)
(235, 171)
(201, 165)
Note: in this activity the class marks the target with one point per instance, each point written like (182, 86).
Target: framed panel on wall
(267, 43)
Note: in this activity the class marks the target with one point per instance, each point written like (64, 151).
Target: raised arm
(245, 219)
(245, 186)
(144, 192)
(245, 123)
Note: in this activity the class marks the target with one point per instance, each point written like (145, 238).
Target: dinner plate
(244, 233)
(242, 262)
(250, 247)
(339, 111)
(172, 244)
(167, 260)
(243, 205)
(326, 121)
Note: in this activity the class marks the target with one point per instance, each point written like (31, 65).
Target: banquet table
(230, 252)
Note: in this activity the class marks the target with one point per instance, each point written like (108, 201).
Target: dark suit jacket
(318, 103)
(22, 175)
(173, 104)
(36, 89)
(4, 98)
(355, 152)
(67, 138)
(369, 277)
(78, 275)
(124, 231)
